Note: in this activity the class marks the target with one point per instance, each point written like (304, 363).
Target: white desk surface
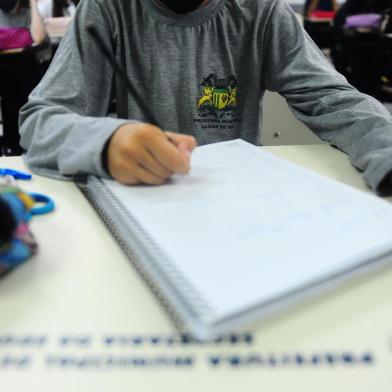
(80, 289)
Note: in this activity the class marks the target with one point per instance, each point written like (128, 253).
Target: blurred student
(312, 6)
(318, 15)
(23, 13)
(56, 8)
(57, 15)
(17, 75)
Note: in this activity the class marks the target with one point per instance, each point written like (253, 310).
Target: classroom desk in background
(319, 20)
(77, 317)
(40, 51)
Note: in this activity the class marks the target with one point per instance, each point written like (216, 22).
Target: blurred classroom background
(355, 36)
(30, 32)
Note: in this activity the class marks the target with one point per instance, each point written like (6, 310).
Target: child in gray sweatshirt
(202, 72)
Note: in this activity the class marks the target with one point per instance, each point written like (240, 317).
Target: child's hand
(142, 153)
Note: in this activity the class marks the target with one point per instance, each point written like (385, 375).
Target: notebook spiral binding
(103, 201)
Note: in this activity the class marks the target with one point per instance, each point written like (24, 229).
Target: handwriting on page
(245, 216)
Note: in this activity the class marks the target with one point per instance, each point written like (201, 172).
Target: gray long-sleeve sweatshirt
(202, 73)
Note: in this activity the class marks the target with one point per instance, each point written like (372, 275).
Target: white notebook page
(245, 226)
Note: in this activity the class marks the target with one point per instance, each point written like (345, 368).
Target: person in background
(56, 8)
(23, 13)
(320, 5)
(18, 75)
(318, 16)
(57, 15)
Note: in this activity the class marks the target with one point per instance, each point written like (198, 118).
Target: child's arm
(65, 125)
(37, 28)
(142, 153)
(322, 99)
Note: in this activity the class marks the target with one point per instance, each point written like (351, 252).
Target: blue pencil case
(17, 243)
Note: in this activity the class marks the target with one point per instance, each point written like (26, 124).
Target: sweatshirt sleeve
(322, 99)
(64, 126)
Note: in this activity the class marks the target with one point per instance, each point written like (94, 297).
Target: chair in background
(318, 17)
(20, 72)
(319, 27)
(354, 56)
(384, 59)
(360, 51)
(384, 72)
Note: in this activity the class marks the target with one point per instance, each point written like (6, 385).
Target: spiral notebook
(243, 236)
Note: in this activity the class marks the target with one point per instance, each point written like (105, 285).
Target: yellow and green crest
(218, 97)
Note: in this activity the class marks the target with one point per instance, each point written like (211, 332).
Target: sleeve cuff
(82, 152)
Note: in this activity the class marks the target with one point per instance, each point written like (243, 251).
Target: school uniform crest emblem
(218, 97)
